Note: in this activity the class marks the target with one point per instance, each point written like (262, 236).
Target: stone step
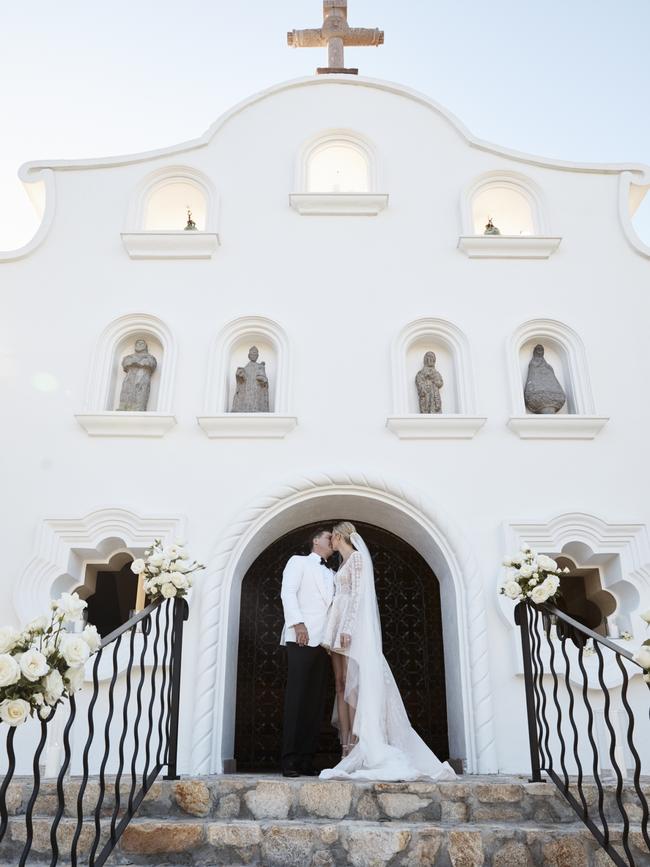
(348, 843)
(243, 797)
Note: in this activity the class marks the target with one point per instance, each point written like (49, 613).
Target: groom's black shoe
(290, 772)
(308, 770)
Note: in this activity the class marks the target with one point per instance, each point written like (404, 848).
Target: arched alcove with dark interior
(408, 594)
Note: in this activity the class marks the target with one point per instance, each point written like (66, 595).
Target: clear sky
(82, 78)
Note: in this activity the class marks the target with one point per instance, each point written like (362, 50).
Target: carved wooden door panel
(409, 602)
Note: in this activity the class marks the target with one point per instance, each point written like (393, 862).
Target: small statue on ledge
(139, 368)
(490, 228)
(543, 394)
(252, 391)
(191, 225)
(428, 382)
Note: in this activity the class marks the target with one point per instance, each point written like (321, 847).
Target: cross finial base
(336, 70)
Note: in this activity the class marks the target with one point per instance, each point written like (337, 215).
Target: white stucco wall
(341, 288)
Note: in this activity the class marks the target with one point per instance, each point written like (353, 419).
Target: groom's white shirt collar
(316, 556)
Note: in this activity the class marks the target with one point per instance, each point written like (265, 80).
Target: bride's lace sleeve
(355, 564)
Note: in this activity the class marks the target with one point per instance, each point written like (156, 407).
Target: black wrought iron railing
(129, 731)
(584, 732)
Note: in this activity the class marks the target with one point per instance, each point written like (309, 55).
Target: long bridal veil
(386, 746)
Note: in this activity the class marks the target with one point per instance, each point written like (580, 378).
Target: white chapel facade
(339, 229)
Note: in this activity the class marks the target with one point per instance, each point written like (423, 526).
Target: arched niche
(516, 206)
(69, 551)
(126, 347)
(101, 416)
(612, 559)
(565, 352)
(157, 215)
(458, 418)
(230, 351)
(336, 173)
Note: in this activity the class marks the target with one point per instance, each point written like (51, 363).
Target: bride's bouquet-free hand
(43, 664)
(165, 571)
(532, 577)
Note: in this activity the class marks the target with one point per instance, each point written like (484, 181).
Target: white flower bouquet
(44, 664)
(642, 656)
(532, 577)
(165, 571)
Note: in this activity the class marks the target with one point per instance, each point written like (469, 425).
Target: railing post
(523, 622)
(181, 613)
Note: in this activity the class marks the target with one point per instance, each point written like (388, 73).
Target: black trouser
(304, 700)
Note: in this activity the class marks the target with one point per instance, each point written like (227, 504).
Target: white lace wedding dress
(387, 748)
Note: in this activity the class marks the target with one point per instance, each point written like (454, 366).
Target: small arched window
(336, 173)
(338, 167)
(172, 215)
(168, 204)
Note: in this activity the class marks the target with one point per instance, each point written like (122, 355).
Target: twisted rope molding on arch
(471, 607)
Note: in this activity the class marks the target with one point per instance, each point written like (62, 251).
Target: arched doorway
(408, 593)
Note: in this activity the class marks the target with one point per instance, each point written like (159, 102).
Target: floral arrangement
(165, 571)
(44, 663)
(642, 656)
(534, 577)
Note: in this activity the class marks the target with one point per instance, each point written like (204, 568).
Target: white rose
(646, 616)
(156, 559)
(138, 566)
(52, 687)
(39, 624)
(75, 678)
(507, 562)
(44, 712)
(71, 606)
(170, 553)
(168, 590)
(74, 650)
(92, 638)
(180, 581)
(181, 553)
(546, 563)
(552, 582)
(512, 590)
(33, 664)
(526, 571)
(8, 638)
(533, 582)
(38, 699)
(14, 711)
(9, 670)
(540, 593)
(642, 656)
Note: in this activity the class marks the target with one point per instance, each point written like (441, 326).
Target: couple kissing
(333, 619)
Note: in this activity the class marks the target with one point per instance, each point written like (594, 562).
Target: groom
(307, 590)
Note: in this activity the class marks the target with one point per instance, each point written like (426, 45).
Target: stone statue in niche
(139, 368)
(543, 394)
(428, 382)
(490, 228)
(252, 391)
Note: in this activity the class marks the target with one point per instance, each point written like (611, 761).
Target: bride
(377, 740)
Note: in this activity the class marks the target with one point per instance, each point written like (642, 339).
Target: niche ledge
(559, 427)
(508, 246)
(114, 423)
(338, 204)
(247, 425)
(433, 427)
(172, 244)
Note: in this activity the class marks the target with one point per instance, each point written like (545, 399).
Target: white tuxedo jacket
(307, 591)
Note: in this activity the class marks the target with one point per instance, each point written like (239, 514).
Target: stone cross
(335, 33)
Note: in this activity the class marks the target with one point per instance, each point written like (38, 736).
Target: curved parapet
(41, 189)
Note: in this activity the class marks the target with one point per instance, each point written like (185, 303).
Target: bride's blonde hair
(346, 529)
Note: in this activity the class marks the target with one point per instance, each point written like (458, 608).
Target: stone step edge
(393, 824)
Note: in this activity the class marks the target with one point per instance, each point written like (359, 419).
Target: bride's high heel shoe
(345, 750)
